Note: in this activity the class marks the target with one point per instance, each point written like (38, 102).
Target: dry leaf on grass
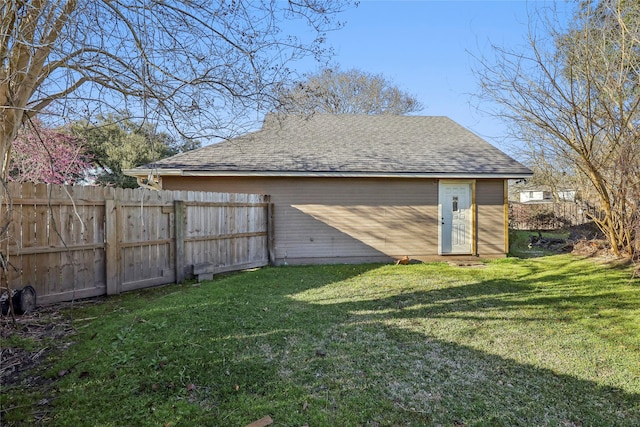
(262, 422)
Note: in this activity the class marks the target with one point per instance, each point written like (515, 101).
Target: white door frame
(466, 220)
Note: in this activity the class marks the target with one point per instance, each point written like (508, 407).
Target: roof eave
(289, 174)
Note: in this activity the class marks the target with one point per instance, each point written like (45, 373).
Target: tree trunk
(10, 119)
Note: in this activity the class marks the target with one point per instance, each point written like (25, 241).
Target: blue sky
(427, 48)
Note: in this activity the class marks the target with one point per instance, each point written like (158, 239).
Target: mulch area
(46, 328)
(44, 332)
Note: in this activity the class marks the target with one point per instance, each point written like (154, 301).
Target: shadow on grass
(445, 381)
(251, 346)
(439, 378)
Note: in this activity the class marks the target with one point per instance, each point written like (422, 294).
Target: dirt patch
(470, 264)
(591, 248)
(27, 342)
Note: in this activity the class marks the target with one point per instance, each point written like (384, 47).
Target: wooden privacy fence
(78, 242)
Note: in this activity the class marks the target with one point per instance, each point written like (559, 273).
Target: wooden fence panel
(50, 245)
(227, 233)
(76, 242)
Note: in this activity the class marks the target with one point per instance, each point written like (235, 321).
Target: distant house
(566, 195)
(357, 188)
(546, 196)
(529, 196)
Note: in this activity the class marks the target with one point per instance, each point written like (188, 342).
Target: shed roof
(348, 145)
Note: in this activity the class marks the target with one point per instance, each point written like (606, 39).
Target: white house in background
(566, 195)
(546, 196)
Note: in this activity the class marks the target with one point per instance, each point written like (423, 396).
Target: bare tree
(574, 98)
(193, 65)
(196, 66)
(346, 92)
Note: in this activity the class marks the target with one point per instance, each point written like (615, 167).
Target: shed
(361, 188)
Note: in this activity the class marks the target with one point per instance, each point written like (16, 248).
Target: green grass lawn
(550, 341)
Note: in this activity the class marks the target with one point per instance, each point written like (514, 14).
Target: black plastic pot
(24, 301)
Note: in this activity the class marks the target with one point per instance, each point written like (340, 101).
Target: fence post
(112, 262)
(270, 232)
(180, 219)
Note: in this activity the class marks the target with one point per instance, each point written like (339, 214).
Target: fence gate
(144, 244)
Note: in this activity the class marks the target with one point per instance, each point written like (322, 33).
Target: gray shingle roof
(351, 144)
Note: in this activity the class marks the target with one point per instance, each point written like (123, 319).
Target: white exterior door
(455, 218)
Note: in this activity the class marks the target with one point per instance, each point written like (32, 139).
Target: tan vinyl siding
(340, 220)
(490, 217)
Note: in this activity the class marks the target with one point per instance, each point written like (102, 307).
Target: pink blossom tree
(46, 155)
